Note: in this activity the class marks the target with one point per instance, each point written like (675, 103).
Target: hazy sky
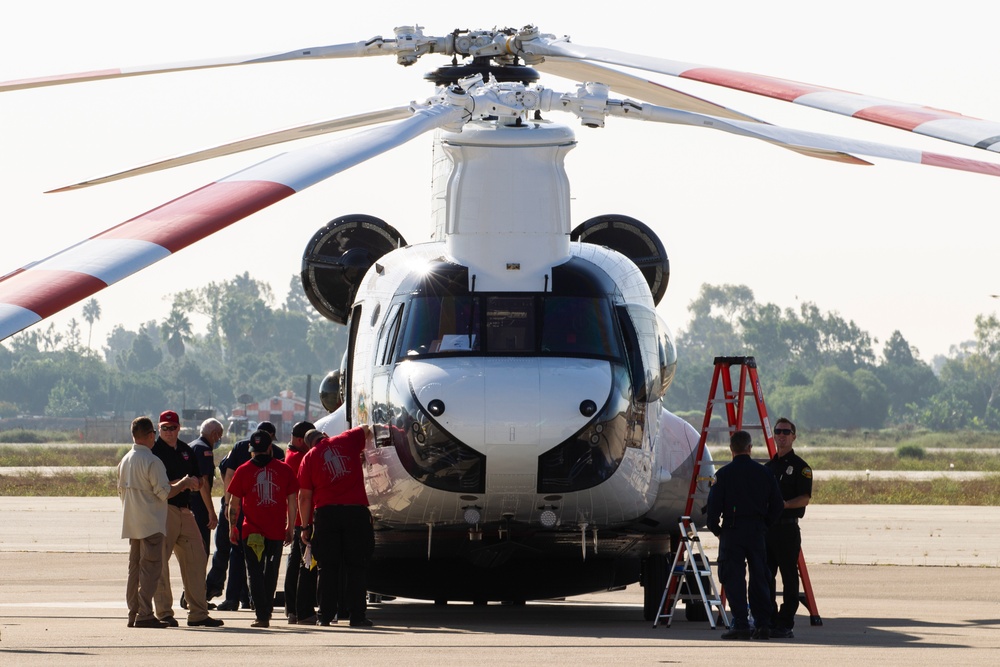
(893, 246)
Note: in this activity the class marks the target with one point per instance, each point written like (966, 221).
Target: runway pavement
(895, 585)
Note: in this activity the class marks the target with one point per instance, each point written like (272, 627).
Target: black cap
(301, 428)
(260, 441)
(269, 427)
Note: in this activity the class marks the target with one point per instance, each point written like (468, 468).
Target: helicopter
(513, 366)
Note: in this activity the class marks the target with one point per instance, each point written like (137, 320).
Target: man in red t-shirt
(340, 530)
(264, 488)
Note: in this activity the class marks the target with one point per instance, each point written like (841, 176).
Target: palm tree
(175, 331)
(91, 313)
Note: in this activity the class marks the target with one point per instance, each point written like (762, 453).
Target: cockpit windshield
(510, 324)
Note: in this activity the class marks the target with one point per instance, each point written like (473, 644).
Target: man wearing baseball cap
(336, 521)
(236, 588)
(263, 491)
(183, 537)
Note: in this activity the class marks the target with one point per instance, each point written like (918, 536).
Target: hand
(305, 535)
(289, 535)
(234, 535)
(213, 522)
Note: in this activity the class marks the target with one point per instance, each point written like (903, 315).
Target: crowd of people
(312, 501)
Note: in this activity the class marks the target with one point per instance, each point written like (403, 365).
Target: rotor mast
(502, 201)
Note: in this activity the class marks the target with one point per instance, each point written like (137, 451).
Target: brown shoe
(150, 623)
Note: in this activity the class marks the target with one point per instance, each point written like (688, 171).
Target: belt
(791, 520)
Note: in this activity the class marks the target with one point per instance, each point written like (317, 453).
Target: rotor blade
(355, 50)
(774, 133)
(281, 136)
(657, 93)
(928, 121)
(43, 288)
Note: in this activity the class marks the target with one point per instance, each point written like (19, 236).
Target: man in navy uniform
(742, 503)
(784, 539)
(210, 435)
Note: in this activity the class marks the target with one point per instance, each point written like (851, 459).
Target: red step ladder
(734, 401)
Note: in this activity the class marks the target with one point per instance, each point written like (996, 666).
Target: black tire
(694, 610)
(654, 580)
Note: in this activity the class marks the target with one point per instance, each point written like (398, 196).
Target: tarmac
(894, 585)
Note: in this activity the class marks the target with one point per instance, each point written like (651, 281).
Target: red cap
(170, 417)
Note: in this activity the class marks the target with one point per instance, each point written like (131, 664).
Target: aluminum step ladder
(691, 570)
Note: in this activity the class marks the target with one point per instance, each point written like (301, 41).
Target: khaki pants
(145, 563)
(184, 540)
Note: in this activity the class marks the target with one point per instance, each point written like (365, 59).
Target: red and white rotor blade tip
(928, 121)
(814, 140)
(43, 288)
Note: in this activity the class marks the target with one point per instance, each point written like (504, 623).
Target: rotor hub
(450, 75)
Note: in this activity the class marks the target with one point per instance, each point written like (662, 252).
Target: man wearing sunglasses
(183, 537)
(784, 539)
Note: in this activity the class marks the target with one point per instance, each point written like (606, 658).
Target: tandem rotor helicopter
(512, 365)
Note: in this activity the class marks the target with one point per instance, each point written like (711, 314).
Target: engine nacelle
(337, 258)
(633, 239)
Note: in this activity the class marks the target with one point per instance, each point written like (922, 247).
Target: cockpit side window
(387, 336)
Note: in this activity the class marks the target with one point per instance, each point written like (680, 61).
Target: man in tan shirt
(144, 488)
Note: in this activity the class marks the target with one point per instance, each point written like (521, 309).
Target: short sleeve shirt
(178, 461)
(332, 470)
(240, 454)
(795, 478)
(204, 459)
(263, 492)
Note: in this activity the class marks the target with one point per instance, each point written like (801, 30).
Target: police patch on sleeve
(807, 473)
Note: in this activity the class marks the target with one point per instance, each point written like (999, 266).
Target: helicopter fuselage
(513, 379)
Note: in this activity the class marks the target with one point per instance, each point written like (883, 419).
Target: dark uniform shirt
(205, 460)
(240, 454)
(178, 461)
(744, 492)
(795, 478)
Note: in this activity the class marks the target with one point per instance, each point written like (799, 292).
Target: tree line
(817, 368)
(250, 345)
(823, 371)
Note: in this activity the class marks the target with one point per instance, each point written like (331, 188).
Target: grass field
(942, 491)
(887, 450)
